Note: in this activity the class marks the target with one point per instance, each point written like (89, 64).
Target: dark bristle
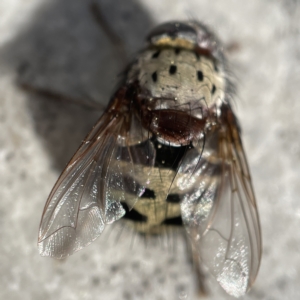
(213, 89)
(172, 69)
(216, 67)
(156, 54)
(177, 51)
(154, 76)
(200, 75)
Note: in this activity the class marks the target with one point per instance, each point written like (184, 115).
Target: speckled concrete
(57, 45)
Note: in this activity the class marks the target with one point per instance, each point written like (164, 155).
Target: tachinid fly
(167, 151)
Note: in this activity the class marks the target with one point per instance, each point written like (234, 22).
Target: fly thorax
(179, 79)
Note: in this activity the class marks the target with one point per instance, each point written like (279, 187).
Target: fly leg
(202, 290)
(195, 260)
(85, 101)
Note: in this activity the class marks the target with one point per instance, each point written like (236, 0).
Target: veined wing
(221, 215)
(87, 195)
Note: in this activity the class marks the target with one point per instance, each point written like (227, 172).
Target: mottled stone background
(58, 46)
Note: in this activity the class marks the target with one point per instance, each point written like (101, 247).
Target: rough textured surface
(58, 46)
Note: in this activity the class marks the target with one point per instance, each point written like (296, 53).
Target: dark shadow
(64, 50)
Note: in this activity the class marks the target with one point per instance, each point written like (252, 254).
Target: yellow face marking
(177, 42)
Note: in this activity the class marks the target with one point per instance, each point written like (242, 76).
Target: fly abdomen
(156, 207)
(133, 214)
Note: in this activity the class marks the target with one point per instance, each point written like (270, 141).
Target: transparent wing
(220, 212)
(87, 195)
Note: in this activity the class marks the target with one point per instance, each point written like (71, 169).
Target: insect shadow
(64, 51)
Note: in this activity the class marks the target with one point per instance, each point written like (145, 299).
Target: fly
(166, 152)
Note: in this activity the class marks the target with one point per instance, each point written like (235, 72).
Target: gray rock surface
(57, 45)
